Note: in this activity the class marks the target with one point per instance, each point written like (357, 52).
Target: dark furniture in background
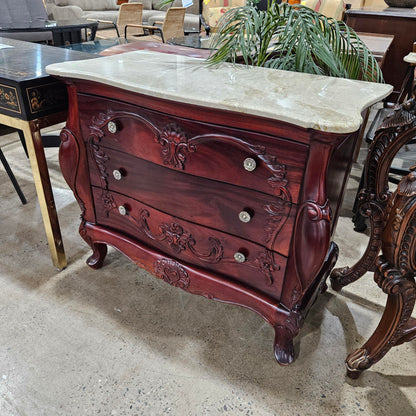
(30, 100)
(401, 23)
(63, 33)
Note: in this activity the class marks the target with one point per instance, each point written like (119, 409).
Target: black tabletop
(27, 91)
(22, 61)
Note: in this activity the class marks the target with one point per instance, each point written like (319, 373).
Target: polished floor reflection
(119, 342)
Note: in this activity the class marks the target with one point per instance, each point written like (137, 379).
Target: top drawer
(269, 164)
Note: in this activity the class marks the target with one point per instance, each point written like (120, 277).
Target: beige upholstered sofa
(80, 10)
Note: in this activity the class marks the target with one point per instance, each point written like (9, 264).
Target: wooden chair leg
(392, 329)
(394, 274)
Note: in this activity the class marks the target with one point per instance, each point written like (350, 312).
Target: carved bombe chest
(234, 207)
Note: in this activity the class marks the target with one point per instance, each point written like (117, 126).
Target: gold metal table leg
(31, 131)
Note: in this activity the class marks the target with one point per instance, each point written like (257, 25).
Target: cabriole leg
(99, 251)
(283, 346)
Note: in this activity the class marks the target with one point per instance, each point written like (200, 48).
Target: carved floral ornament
(265, 262)
(172, 272)
(402, 117)
(407, 186)
(174, 146)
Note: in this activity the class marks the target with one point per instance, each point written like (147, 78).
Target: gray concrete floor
(119, 342)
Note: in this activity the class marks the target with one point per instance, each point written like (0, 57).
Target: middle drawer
(242, 212)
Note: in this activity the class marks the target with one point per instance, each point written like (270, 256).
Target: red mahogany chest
(220, 202)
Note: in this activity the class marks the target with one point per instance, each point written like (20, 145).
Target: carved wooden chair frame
(391, 225)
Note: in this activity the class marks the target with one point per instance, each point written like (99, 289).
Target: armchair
(172, 26)
(129, 14)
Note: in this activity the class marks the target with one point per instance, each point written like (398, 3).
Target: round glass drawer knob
(239, 257)
(117, 174)
(249, 164)
(244, 216)
(112, 127)
(122, 210)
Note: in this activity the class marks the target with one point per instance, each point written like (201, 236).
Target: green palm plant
(293, 38)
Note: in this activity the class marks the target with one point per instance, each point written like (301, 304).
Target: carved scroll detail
(393, 283)
(318, 212)
(100, 158)
(178, 239)
(358, 360)
(175, 145)
(96, 127)
(172, 272)
(172, 138)
(278, 179)
(277, 215)
(402, 117)
(100, 122)
(278, 212)
(109, 202)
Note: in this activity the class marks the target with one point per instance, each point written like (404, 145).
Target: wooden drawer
(272, 165)
(191, 243)
(252, 215)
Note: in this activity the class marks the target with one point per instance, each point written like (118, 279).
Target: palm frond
(293, 38)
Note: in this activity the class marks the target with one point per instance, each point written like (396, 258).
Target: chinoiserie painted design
(46, 97)
(9, 99)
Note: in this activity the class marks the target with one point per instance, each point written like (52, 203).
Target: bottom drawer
(239, 259)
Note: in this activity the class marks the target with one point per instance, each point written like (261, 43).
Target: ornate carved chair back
(399, 235)
(396, 268)
(397, 130)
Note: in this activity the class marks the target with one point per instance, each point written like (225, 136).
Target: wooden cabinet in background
(401, 23)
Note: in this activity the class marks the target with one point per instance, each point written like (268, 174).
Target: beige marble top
(310, 101)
